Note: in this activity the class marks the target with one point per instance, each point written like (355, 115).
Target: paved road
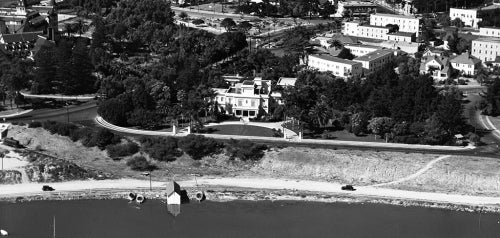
(305, 142)
(84, 112)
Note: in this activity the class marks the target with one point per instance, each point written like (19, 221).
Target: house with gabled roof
(466, 64)
(173, 193)
(437, 66)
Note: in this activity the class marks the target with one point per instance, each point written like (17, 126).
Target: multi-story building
(489, 31)
(466, 64)
(405, 23)
(360, 50)
(374, 61)
(339, 67)
(468, 16)
(19, 44)
(244, 97)
(486, 48)
(373, 32)
(351, 28)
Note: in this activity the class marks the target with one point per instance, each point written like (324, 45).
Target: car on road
(348, 188)
(47, 188)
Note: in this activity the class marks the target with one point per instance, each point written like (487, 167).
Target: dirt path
(416, 174)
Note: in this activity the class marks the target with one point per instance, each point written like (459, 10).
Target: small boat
(132, 196)
(4, 233)
(140, 199)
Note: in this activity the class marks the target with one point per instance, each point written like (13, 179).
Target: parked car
(47, 188)
(348, 188)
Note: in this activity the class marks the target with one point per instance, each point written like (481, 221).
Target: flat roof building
(339, 67)
(375, 60)
(468, 16)
(405, 23)
(486, 48)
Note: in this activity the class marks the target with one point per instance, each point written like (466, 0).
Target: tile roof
(20, 37)
(335, 59)
(466, 58)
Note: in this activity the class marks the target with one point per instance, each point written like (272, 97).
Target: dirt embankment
(343, 166)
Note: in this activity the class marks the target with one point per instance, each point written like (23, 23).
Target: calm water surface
(118, 218)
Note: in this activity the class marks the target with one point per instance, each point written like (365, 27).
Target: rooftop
(335, 59)
(374, 55)
(488, 39)
(283, 81)
(372, 26)
(21, 37)
(402, 33)
(394, 15)
(466, 58)
(362, 46)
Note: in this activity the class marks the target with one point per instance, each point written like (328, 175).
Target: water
(118, 218)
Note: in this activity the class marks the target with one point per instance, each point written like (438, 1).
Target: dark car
(348, 188)
(47, 188)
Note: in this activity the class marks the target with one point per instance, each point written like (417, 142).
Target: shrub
(140, 163)
(245, 150)
(60, 128)
(121, 150)
(198, 146)
(99, 137)
(198, 21)
(81, 134)
(161, 148)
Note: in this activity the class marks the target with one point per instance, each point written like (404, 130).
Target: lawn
(8, 3)
(244, 130)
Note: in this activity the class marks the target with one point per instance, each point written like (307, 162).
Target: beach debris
(4, 233)
(173, 193)
(140, 199)
(131, 196)
(47, 188)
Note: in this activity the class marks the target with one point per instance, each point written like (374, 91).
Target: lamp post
(149, 175)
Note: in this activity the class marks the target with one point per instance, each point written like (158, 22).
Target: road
(83, 112)
(475, 119)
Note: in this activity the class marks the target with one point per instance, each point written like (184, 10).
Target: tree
(457, 22)
(183, 16)
(228, 24)
(244, 26)
(345, 53)
(380, 125)
(393, 28)
(45, 71)
(359, 122)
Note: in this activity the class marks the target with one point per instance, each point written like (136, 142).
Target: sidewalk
(59, 96)
(100, 121)
(15, 114)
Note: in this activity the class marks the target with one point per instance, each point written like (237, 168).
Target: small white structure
(173, 193)
(466, 64)
(4, 128)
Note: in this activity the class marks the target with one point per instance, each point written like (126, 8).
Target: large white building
(489, 31)
(360, 50)
(355, 28)
(375, 60)
(468, 16)
(405, 23)
(244, 97)
(486, 48)
(339, 67)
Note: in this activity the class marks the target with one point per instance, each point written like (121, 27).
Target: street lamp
(149, 175)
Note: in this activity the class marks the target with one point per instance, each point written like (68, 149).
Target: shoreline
(230, 193)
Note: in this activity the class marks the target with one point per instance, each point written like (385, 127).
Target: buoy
(140, 199)
(4, 233)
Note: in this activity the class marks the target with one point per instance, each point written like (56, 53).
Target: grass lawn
(8, 3)
(345, 135)
(244, 130)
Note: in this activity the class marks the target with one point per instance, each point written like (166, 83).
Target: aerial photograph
(250, 118)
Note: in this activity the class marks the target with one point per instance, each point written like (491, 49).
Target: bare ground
(455, 174)
(459, 174)
(345, 166)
